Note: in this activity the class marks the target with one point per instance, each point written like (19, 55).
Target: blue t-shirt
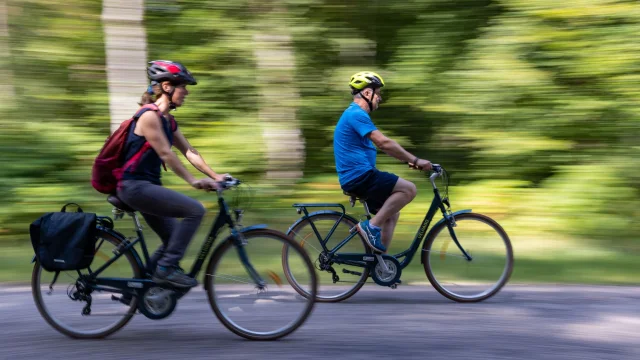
(353, 151)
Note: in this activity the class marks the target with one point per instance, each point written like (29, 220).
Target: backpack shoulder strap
(144, 109)
(173, 122)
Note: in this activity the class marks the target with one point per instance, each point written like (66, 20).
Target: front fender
(252, 227)
(435, 226)
(465, 211)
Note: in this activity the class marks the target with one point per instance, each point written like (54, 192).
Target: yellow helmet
(365, 79)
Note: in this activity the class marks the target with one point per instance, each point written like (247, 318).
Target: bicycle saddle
(115, 201)
(353, 198)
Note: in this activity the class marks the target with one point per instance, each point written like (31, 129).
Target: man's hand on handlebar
(421, 165)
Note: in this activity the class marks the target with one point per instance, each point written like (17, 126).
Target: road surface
(411, 322)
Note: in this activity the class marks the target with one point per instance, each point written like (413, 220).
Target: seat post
(366, 209)
(136, 220)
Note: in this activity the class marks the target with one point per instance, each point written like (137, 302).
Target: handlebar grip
(434, 167)
(229, 182)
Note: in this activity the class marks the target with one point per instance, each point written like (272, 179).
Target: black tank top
(147, 167)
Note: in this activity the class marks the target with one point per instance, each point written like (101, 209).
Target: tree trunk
(7, 91)
(126, 50)
(279, 95)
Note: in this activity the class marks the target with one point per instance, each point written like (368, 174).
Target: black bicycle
(467, 257)
(243, 281)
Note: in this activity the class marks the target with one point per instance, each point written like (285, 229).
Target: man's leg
(387, 193)
(403, 193)
(388, 229)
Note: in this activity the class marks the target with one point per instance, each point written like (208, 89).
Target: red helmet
(164, 70)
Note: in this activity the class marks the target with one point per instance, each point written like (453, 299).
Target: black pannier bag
(64, 240)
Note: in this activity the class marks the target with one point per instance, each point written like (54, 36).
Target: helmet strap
(369, 101)
(172, 105)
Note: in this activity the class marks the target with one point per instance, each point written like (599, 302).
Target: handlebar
(229, 182)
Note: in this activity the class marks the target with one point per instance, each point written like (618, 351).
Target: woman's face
(179, 94)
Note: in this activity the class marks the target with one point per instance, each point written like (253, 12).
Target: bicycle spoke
(304, 243)
(230, 277)
(444, 253)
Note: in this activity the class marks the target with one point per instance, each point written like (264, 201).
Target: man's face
(377, 96)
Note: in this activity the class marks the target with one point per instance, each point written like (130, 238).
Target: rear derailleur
(325, 265)
(81, 292)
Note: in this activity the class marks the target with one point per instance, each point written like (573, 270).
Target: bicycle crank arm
(383, 263)
(351, 272)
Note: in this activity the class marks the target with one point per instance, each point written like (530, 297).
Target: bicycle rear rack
(302, 207)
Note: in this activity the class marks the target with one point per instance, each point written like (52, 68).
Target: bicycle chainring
(157, 303)
(383, 278)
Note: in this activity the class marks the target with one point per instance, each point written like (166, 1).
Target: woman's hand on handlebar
(222, 177)
(206, 184)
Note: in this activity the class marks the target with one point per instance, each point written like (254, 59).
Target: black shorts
(375, 185)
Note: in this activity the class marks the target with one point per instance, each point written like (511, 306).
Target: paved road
(522, 322)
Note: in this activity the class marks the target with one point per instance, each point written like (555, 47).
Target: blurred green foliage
(532, 106)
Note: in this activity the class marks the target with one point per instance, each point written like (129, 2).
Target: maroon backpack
(108, 167)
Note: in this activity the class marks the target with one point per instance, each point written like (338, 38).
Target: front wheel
(461, 279)
(259, 310)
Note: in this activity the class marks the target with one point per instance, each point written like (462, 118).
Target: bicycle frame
(122, 285)
(364, 260)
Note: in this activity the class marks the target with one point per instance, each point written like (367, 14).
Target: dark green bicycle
(467, 257)
(243, 281)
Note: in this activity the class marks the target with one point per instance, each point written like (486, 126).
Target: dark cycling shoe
(173, 276)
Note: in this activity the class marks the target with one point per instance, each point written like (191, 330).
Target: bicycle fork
(455, 240)
(240, 242)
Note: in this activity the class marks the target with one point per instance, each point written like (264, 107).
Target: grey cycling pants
(160, 207)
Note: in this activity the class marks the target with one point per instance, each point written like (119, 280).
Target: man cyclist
(355, 157)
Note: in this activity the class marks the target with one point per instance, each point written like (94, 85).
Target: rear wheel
(68, 315)
(351, 278)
